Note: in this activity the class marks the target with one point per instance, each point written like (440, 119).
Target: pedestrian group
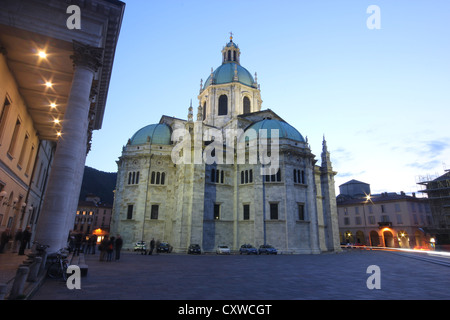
(20, 243)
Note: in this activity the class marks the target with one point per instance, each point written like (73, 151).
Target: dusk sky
(380, 96)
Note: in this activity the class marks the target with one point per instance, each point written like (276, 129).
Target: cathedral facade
(234, 175)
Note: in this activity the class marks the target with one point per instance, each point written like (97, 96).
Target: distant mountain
(98, 183)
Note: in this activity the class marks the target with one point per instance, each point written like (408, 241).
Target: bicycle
(40, 249)
(58, 268)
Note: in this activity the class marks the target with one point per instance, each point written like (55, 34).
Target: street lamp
(368, 198)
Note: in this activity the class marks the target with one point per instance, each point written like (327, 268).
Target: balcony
(384, 224)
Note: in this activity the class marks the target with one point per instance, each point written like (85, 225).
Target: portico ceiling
(31, 72)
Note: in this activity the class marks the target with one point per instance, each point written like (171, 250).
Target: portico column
(64, 183)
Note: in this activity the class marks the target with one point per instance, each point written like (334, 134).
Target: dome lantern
(231, 52)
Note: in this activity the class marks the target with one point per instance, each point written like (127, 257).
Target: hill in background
(99, 183)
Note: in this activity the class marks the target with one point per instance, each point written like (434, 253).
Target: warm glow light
(48, 84)
(42, 54)
(58, 134)
(53, 105)
(56, 121)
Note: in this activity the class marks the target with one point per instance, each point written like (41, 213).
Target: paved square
(236, 277)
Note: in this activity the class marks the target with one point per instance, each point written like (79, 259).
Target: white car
(223, 250)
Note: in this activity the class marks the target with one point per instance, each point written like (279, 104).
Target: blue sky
(380, 96)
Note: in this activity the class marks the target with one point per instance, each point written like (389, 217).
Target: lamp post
(368, 198)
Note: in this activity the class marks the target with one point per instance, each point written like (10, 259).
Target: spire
(190, 113)
(326, 160)
(212, 75)
(200, 113)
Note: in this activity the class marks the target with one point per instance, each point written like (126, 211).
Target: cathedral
(234, 174)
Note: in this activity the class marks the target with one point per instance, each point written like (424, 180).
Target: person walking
(17, 240)
(78, 240)
(152, 247)
(26, 237)
(103, 247)
(94, 242)
(110, 249)
(6, 235)
(118, 246)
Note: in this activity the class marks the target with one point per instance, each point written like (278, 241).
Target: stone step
(78, 260)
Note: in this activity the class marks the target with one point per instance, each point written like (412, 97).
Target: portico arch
(388, 238)
(360, 238)
(403, 239)
(374, 238)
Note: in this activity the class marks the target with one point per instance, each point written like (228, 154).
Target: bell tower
(230, 90)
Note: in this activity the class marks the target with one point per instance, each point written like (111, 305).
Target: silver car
(223, 250)
(140, 246)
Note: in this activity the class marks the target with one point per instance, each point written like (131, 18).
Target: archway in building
(360, 239)
(388, 239)
(403, 239)
(374, 239)
(348, 237)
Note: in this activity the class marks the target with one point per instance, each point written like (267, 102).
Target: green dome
(158, 133)
(285, 130)
(225, 74)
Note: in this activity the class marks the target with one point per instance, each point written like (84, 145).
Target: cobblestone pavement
(236, 277)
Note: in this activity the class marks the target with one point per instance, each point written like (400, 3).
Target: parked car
(140, 246)
(194, 249)
(248, 249)
(164, 247)
(223, 250)
(267, 249)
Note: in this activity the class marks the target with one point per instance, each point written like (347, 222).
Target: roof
(225, 74)
(158, 133)
(285, 130)
(376, 198)
(353, 181)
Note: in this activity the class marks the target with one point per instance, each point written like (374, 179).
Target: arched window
(223, 105)
(153, 178)
(163, 178)
(229, 55)
(246, 105)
